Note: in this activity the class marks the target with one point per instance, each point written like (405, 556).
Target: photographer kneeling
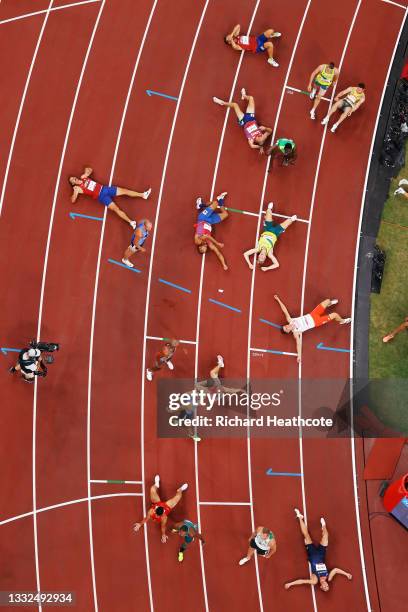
(30, 363)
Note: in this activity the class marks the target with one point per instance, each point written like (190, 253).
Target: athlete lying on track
(347, 102)
(159, 510)
(255, 44)
(254, 133)
(142, 231)
(103, 193)
(285, 149)
(298, 325)
(316, 555)
(267, 241)
(207, 217)
(263, 542)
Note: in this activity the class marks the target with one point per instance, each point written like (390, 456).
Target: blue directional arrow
(150, 92)
(331, 348)
(74, 215)
(6, 349)
(270, 472)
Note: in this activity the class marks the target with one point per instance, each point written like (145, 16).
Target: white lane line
(395, 4)
(259, 350)
(252, 214)
(162, 339)
(22, 101)
(68, 503)
(353, 305)
(149, 281)
(47, 250)
(251, 303)
(56, 8)
(92, 334)
(216, 503)
(115, 481)
(302, 92)
(217, 161)
(307, 255)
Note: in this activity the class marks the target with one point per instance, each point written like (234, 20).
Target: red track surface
(94, 416)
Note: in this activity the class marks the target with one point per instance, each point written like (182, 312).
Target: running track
(76, 93)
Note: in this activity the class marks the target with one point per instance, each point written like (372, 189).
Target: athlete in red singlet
(254, 44)
(207, 217)
(255, 134)
(159, 510)
(103, 193)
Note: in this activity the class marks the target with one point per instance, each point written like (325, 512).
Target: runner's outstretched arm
(87, 172)
(298, 582)
(275, 263)
(283, 308)
(163, 524)
(137, 526)
(247, 255)
(218, 253)
(298, 340)
(337, 570)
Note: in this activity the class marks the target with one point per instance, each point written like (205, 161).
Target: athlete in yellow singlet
(267, 240)
(323, 77)
(347, 102)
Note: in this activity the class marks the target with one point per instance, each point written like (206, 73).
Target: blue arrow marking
(73, 215)
(269, 323)
(161, 280)
(331, 348)
(6, 349)
(150, 92)
(224, 305)
(270, 472)
(122, 265)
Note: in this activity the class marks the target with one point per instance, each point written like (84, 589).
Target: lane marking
(252, 214)
(165, 282)
(224, 305)
(270, 323)
(216, 503)
(322, 347)
(147, 302)
(167, 339)
(270, 472)
(258, 350)
(353, 304)
(122, 265)
(150, 92)
(52, 10)
(68, 503)
(40, 309)
(6, 349)
(302, 91)
(116, 481)
(81, 216)
(395, 4)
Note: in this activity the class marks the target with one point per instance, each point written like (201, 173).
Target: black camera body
(48, 347)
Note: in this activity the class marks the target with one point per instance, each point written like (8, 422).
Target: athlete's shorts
(253, 545)
(107, 194)
(247, 117)
(260, 41)
(269, 226)
(317, 554)
(209, 215)
(318, 315)
(345, 105)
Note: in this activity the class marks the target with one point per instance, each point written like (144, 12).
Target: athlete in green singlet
(320, 80)
(285, 148)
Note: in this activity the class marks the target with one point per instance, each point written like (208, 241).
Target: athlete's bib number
(207, 226)
(252, 129)
(321, 567)
(244, 40)
(91, 185)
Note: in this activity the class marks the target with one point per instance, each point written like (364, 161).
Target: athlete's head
(361, 86)
(324, 585)
(73, 180)
(159, 510)
(227, 39)
(331, 65)
(288, 148)
(265, 533)
(148, 225)
(184, 528)
(262, 256)
(202, 248)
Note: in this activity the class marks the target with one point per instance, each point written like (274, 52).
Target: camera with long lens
(48, 347)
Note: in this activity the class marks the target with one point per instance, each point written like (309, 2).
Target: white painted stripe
(116, 481)
(395, 4)
(95, 296)
(47, 250)
(216, 503)
(199, 312)
(300, 91)
(283, 94)
(22, 101)
(181, 341)
(68, 503)
(252, 214)
(353, 305)
(149, 282)
(56, 8)
(259, 350)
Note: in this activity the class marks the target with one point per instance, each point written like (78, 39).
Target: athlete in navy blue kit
(142, 230)
(316, 555)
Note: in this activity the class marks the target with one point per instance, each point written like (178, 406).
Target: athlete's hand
(298, 359)
(264, 268)
(309, 87)
(261, 150)
(287, 585)
(220, 244)
(250, 266)
(137, 526)
(276, 297)
(349, 113)
(164, 538)
(349, 576)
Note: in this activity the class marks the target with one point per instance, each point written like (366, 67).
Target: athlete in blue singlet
(188, 531)
(142, 231)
